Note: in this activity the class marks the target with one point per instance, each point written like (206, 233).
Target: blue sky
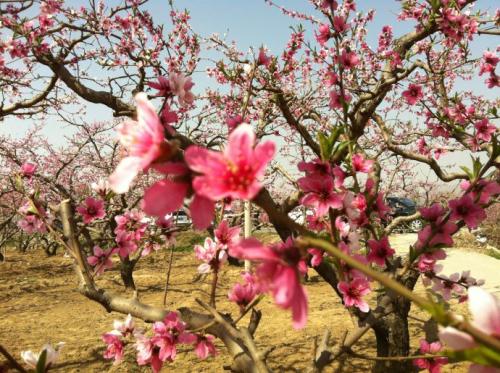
(250, 23)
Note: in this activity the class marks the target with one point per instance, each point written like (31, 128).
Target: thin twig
(13, 362)
(168, 274)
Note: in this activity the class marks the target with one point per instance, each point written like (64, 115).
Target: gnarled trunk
(391, 330)
(126, 272)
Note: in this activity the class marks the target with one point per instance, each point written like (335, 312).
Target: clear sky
(250, 23)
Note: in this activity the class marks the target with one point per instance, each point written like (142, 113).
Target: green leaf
(468, 172)
(40, 365)
(480, 355)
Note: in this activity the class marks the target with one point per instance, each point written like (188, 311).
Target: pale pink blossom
(353, 293)
(211, 254)
(125, 327)
(52, 355)
(91, 209)
(144, 140)
(236, 172)
(32, 224)
(181, 87)
(485, 312)
(114, 348)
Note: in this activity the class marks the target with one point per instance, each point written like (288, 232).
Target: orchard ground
(39, 303)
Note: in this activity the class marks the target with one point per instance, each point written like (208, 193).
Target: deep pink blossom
(168, 334)
(144, 141)
(466, 209)
(101, 260)
(173, 185)
(243, 294)
(28, 169)
(91, 209)
(124, 244)
(236, 172)
(162, 86)
(432, 364)
(339, 24)
(319, 193)
(413, 94)
(353, 293)
(439, 233)
(349, 59)
(316, 256)
(226, 236)
(280, 269)
(360, 164)
(204, 346)
(427, 261)
(263, 58)
(380, 251)
(484, 130)
(337, 101)
(323, 34)
(488, 62)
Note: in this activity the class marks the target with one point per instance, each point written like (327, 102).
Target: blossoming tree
(335, 110)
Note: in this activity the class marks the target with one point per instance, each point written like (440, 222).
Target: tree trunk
(391, 331)
(126, 272)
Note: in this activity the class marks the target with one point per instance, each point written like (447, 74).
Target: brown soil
(39, 304)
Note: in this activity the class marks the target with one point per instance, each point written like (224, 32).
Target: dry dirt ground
(39, 304)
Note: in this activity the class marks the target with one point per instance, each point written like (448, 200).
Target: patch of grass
(493, 253)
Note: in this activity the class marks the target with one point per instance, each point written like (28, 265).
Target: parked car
(401, 206)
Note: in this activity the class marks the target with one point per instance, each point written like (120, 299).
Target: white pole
(247, 232)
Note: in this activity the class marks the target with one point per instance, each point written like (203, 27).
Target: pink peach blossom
(243, 294)
(485, 312)
(280, 268)
(181, 87)
(100, 260)
(144, 140)
(432, 364)
(204, 346)
(319, 193)
(360, 164)
(380, 251)
(354, 291)
(466, 209)
(235, 173)
(413, 94)
(91, 209)
(28, 169)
